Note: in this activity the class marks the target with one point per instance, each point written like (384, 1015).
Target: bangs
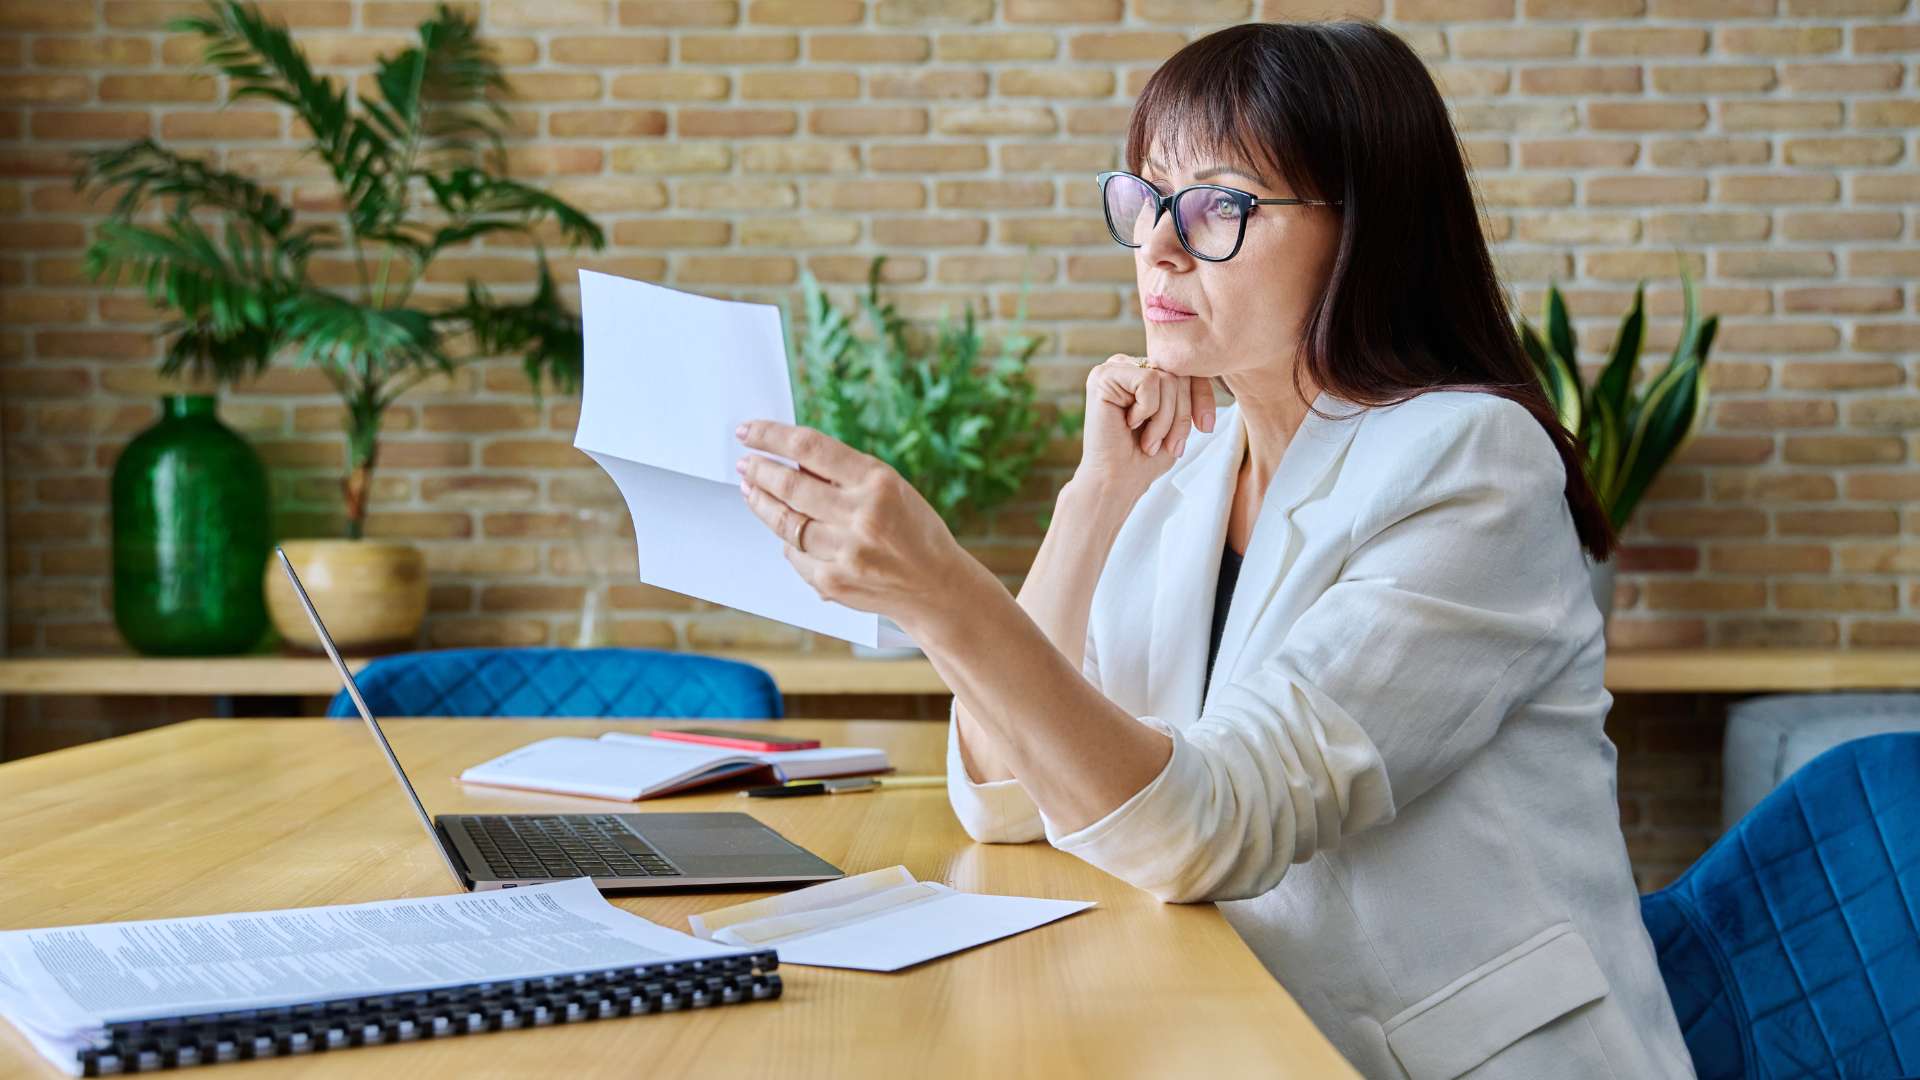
(1210, 106)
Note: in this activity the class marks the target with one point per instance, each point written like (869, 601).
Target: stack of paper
(878, 921)
(669, 376)
(62, 986)
(631, 767)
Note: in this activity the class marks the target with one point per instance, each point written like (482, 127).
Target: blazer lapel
(1191, 546)
(1187, 568)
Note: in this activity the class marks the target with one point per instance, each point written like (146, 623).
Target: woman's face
(1247, 313)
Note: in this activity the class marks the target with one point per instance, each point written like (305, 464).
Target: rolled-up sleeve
(1439, 625)
(998, 811)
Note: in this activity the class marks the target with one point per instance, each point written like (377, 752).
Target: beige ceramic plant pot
(371, 593)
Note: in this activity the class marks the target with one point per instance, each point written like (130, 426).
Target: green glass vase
(192, 531)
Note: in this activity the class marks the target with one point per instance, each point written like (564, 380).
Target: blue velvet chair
(563, 682)
(1792, 947)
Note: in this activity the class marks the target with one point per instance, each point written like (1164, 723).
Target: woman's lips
(1156, 313)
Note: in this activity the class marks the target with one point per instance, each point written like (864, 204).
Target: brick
(1900, 37)
(1708, 228)
(800, 158)
(988, 269)
(1886, 337)
(1835, 596)
(84, 52)
(671, 86)
(1884, 487)
(623, 50)
(736, 270)
(1842, 299)
(1631, 265)
(1713, 79)
(1773, 263)
(805, 12)
(1777, 41)
(1084, 158)
(1834, 522)
(1641, 190)
(42, 17)
(1886, 113)
(1577, 153)
(1510, 43)
(679, 12)
(1463, 80)
(1714, 9)
(224, 125)
(1844, 450)
(729, 194)
(1125, 45)
(930, 232)
(880, 120)
(1779, 115)
(996, 120)
(928, 157)
(1646, 41)
(865, 195)
(1841, 78)
(1584, 9)
(1705, 595)
(1451, 11)
(1776, 189)
(1058, 83)
(1110, 120)
(863, 48)
(533, 14)
(1769, 414)
(574, 123)
(1646, 116)
(1840, 225)
(46, 89)
(1016, 45)
(1769, 558)
(993, 194)
(853, 269)
(672, 158)
(1579, 227)
(489, 632)
(1610, 79)
(1843, 151)
(1707, 152)
(1193, 11)
(1893, 262)
(736, 122)
(1893, 412)
(798, 232)
(1067, 11)
(1839, 374)
(792, 85)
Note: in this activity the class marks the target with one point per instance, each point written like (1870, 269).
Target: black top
(1222, 596)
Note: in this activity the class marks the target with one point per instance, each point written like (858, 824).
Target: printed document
(61, 985)
(669, 376)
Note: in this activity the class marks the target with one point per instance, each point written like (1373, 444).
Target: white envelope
(668, 377)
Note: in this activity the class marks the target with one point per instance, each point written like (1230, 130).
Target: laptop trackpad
(724, 844)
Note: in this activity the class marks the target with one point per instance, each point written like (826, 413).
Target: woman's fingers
(1203, 404)
(1146, 399)
(795, 529)
(803, 491)
(1182, 419)
(1159, 428)
(818, 453)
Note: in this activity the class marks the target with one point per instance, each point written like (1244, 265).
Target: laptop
(618, 851)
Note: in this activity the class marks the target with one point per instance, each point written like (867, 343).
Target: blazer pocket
(1496, 1004)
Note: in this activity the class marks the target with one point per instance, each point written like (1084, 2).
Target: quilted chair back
(563, 682)
(1792, 947)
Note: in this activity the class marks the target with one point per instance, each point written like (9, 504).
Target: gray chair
(1770, 737)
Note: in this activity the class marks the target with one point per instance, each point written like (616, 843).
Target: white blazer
(1397, 783)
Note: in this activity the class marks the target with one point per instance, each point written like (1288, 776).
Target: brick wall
(727, 145)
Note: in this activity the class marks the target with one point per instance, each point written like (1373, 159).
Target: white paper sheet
(883, 920)
(668, 377)
(633, 767)
(84, 976)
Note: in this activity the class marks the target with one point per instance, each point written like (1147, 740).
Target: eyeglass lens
(1208, 219)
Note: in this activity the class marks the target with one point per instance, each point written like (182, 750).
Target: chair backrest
(1792, 947)
(563, 682)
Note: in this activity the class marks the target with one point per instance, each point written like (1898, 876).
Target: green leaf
(1558, 375)
(1560, 326)
(1616, 378)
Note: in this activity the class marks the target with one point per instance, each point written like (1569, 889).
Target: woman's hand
(1139, 420)
(857, 532)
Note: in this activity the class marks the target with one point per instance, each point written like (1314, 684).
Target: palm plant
(419, 168)
(1629, 431)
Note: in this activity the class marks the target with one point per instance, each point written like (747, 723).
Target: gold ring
(800, 534)
(1143, 362)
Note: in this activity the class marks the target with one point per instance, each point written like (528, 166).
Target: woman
(1328, 655)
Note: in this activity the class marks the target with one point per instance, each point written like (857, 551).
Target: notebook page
(600, 768)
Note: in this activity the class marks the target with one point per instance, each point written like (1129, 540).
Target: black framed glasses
(1209, 219)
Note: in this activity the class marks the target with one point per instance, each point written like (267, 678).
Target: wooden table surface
(1628, 671)
(237, 815)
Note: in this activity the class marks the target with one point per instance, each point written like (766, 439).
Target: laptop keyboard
(577, 845)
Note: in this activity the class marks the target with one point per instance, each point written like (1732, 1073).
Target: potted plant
(962, 428)
(419, 168)
(1629, 430)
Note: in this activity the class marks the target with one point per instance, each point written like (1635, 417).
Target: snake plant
(1627, 431)
(419, 167)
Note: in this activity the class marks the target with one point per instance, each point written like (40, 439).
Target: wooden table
(1628, 671)
(231, 815)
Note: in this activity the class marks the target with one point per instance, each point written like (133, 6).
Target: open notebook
(633, 767)
(165, 993)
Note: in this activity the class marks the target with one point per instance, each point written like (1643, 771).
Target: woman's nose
(1163, 243)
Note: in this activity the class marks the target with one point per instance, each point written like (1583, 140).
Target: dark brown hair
(1345, 110)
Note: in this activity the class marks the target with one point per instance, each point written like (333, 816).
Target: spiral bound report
(151, 1045)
